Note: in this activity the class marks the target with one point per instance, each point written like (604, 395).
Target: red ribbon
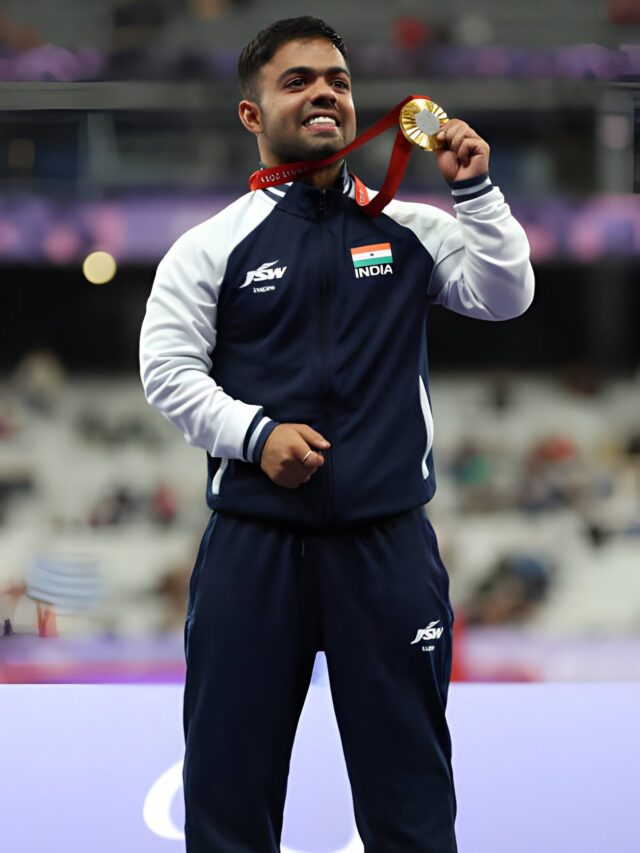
(274, 175)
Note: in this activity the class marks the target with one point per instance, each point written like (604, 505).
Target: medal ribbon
(274, 175)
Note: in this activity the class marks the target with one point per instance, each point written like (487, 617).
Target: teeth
(322, 120)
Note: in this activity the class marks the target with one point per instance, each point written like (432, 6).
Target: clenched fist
(465, 154)
(284, 452)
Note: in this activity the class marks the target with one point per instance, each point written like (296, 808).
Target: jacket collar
(344, 185)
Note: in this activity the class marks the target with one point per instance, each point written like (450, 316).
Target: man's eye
(297, 81)
(341, 84)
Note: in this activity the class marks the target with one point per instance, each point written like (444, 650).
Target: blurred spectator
(118, 506)
(39, 380)
(121, 505)
(17, 37)
(9, 424)
(474, 473)
(624, 11)
(30, 57)
(501, 391)
(633, 446)
(552, 475)
(411, 33)
(516, 586)
(164, 505)
(582, 378)
(94, 428)
(16, 482)
(10, 595)
(172, 590)
(141, 15)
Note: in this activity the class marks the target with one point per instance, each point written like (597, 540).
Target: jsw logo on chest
(265, 272)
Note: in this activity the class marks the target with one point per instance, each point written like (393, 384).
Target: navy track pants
(263, 599)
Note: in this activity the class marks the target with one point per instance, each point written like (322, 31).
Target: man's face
(306, 110)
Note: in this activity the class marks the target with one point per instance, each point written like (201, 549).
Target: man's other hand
(290, 456)
(465, 155)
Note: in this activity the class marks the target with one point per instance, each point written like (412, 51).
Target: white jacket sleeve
(482, 266)
(480, 257)
(177, 338)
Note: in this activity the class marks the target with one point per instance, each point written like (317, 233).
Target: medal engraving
(420, 121)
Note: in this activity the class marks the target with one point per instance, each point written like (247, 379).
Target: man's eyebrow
(307, 71)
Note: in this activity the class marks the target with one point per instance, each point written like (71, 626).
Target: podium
(537, 767)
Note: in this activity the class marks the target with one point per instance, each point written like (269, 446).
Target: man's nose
(323, 93)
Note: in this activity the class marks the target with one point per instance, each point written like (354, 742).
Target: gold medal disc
(420, 121)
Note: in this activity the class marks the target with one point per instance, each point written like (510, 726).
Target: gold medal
(420, 121)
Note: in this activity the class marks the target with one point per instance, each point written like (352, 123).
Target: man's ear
(250, 116)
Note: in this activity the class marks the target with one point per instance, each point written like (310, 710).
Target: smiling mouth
(323, 122)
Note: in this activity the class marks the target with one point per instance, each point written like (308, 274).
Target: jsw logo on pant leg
(265, 272)
(428, 633)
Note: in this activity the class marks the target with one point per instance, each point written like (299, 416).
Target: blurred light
(9, 237)
(22, 154)
(99, 267)
(616, 132)
(493, 62)
(587, 241)
(543, 241)
(473, 29)
(61, 243)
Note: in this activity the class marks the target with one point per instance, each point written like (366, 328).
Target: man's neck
(325, 178)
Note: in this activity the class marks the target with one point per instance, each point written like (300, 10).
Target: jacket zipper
(325, 304)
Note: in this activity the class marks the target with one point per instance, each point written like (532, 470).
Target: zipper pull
(323, 201)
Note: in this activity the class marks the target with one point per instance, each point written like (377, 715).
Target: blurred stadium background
(118, 131)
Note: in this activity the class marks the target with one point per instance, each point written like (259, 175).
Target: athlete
(286, 336)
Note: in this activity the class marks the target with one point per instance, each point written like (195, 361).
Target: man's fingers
(454, 132)
(462, 134)
(449, 130)
(311, 459)
(289, 457)
(313, 438)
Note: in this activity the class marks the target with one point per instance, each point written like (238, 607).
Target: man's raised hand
(465, 155)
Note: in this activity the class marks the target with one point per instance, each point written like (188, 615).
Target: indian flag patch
(366, 256)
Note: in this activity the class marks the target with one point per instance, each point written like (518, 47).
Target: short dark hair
(263, 47)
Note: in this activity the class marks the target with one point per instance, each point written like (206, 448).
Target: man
(305, 379)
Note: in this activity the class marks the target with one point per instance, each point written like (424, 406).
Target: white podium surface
(544, 767)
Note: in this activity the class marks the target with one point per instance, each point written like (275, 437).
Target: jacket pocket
(428, 424)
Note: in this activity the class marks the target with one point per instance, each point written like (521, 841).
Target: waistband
(309, 531)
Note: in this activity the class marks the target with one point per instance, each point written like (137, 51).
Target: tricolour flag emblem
(366, 256)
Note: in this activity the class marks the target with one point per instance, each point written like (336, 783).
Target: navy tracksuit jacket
(292, 306)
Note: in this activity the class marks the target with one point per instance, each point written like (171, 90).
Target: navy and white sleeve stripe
(256, 437)
(471, 187)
